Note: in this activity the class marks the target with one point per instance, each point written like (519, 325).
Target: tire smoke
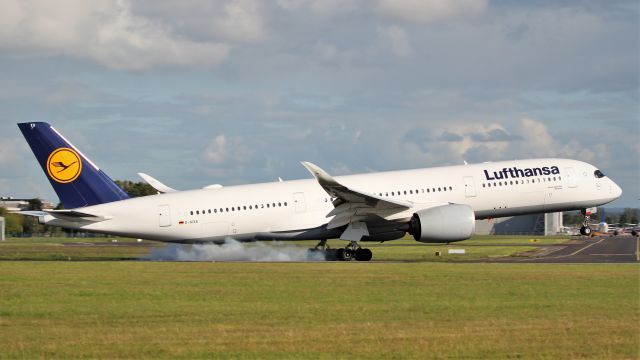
(232, 250)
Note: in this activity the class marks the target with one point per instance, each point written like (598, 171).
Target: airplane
(435, 205)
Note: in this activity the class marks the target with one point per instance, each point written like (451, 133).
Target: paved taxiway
(609, 249)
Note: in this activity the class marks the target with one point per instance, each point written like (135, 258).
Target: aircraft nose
(616, 190)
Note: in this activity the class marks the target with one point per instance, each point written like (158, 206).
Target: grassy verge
(317, 310)
(406, 249)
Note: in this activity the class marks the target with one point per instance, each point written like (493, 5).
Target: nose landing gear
(585, 230)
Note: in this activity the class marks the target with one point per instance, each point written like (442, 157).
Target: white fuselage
(298, 209)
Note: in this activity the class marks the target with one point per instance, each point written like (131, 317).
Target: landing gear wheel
(585, 230)
(347, 254)
(363, 254)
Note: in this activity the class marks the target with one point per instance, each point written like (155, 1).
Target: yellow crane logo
(64, 165)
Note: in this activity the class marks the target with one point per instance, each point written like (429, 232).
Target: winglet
(156, 184)
(322, 176)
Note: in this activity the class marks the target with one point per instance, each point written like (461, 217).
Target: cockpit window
(598, 174)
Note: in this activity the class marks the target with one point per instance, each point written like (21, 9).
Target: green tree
(35, 204)
(629, 216)
(13, 224)
(136, 189)
(623, 219)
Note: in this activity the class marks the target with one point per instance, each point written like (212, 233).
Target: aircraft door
(164, 215)
(570, 177)
(298, 200)
(469, 186)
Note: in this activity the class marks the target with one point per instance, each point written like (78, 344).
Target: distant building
(536, 224)
(13, 204)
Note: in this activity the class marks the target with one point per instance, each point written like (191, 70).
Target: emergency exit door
(469, 186)
(164, 215)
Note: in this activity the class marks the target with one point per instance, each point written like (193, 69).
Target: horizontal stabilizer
(69, 215)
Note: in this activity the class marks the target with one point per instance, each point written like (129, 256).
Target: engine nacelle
(445, 223)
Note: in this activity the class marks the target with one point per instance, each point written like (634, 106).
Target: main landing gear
(348, 253)
(585, 230)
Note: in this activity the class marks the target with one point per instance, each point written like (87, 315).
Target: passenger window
(285, 203)
(192, 213)
(209, 211)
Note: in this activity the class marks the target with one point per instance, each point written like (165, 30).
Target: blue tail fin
(76, 180)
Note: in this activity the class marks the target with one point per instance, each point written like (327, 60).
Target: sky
(238, 91)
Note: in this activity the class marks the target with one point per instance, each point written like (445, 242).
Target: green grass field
(408, 309)
(317, 310)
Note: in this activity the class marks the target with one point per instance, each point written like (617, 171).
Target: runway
(610, 249)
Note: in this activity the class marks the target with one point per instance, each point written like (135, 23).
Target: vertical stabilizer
(77, 181)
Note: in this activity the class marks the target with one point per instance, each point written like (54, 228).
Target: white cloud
(427, 11)
(396, 39)
(242, 21)
(104, 31)
(527, 138)
(221, 149)
(321, 7)
(216, 152)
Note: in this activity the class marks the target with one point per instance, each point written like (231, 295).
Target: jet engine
(445, 223)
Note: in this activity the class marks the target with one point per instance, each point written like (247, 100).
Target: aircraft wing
(353, 207)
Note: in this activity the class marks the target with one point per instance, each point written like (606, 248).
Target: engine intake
(445, 223)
